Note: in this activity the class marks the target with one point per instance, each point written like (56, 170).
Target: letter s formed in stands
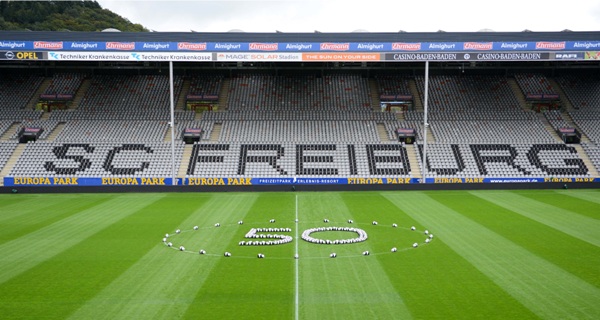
(61, 153)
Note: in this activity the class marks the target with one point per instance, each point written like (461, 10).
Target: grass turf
(494, 255)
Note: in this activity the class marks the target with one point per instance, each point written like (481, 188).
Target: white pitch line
(296, 282)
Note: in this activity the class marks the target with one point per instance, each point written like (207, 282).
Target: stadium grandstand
(100, 109)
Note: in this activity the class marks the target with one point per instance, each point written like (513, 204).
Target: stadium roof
(301, 37)
(300, 47)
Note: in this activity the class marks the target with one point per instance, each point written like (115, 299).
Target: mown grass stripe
(582, 207)
(592, 195)
(38, 214)
(17, 204)
(23, 205)
(573, 224)
(12, 200)
(60, 285)
(548, 291)
(548, 243)
(433, 279)
(325, 292)
(244, 287)
(25, 252)
(162, 284)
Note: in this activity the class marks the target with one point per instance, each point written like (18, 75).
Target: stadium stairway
(181, 100)
(9, 132)
(586, 160)
(382, 132)
(36, 96)
(85, 85)
(10, 163)
(224, 94)
(167, 137)
(185, 159)
(430, 137)
(563, 97)
(400, 116)
(374, 88)
(417, 101)
(57, 130)
(549, 127)
(415, 168)
(518, 92)
(216, 132)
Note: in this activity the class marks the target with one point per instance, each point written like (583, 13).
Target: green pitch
(494, 255)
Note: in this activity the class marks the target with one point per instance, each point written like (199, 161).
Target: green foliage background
(83, 15)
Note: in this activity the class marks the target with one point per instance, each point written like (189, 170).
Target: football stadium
(237, 175)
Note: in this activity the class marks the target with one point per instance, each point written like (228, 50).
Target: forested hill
(86, 15)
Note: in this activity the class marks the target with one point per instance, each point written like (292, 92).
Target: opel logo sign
(9, 55)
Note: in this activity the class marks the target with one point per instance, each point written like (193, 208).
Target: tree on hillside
(85, 15)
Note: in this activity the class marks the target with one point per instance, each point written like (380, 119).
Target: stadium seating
(126, 98)
(488, 131)
(556, 119)
(503, 160)
(17, 89)
(582, 90)
(5, 125)
(98, 159)
(65, 83)
(393, 85)
(20, 114)
(307, 93)
(205, 84)
(306, 131)
(115, 130)
(593, 152)
(301, 125)
(534, 83)
(471, 98)
(6, 150)
(287, 159)
(297, 115)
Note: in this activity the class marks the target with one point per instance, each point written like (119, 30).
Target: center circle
(361, 235)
